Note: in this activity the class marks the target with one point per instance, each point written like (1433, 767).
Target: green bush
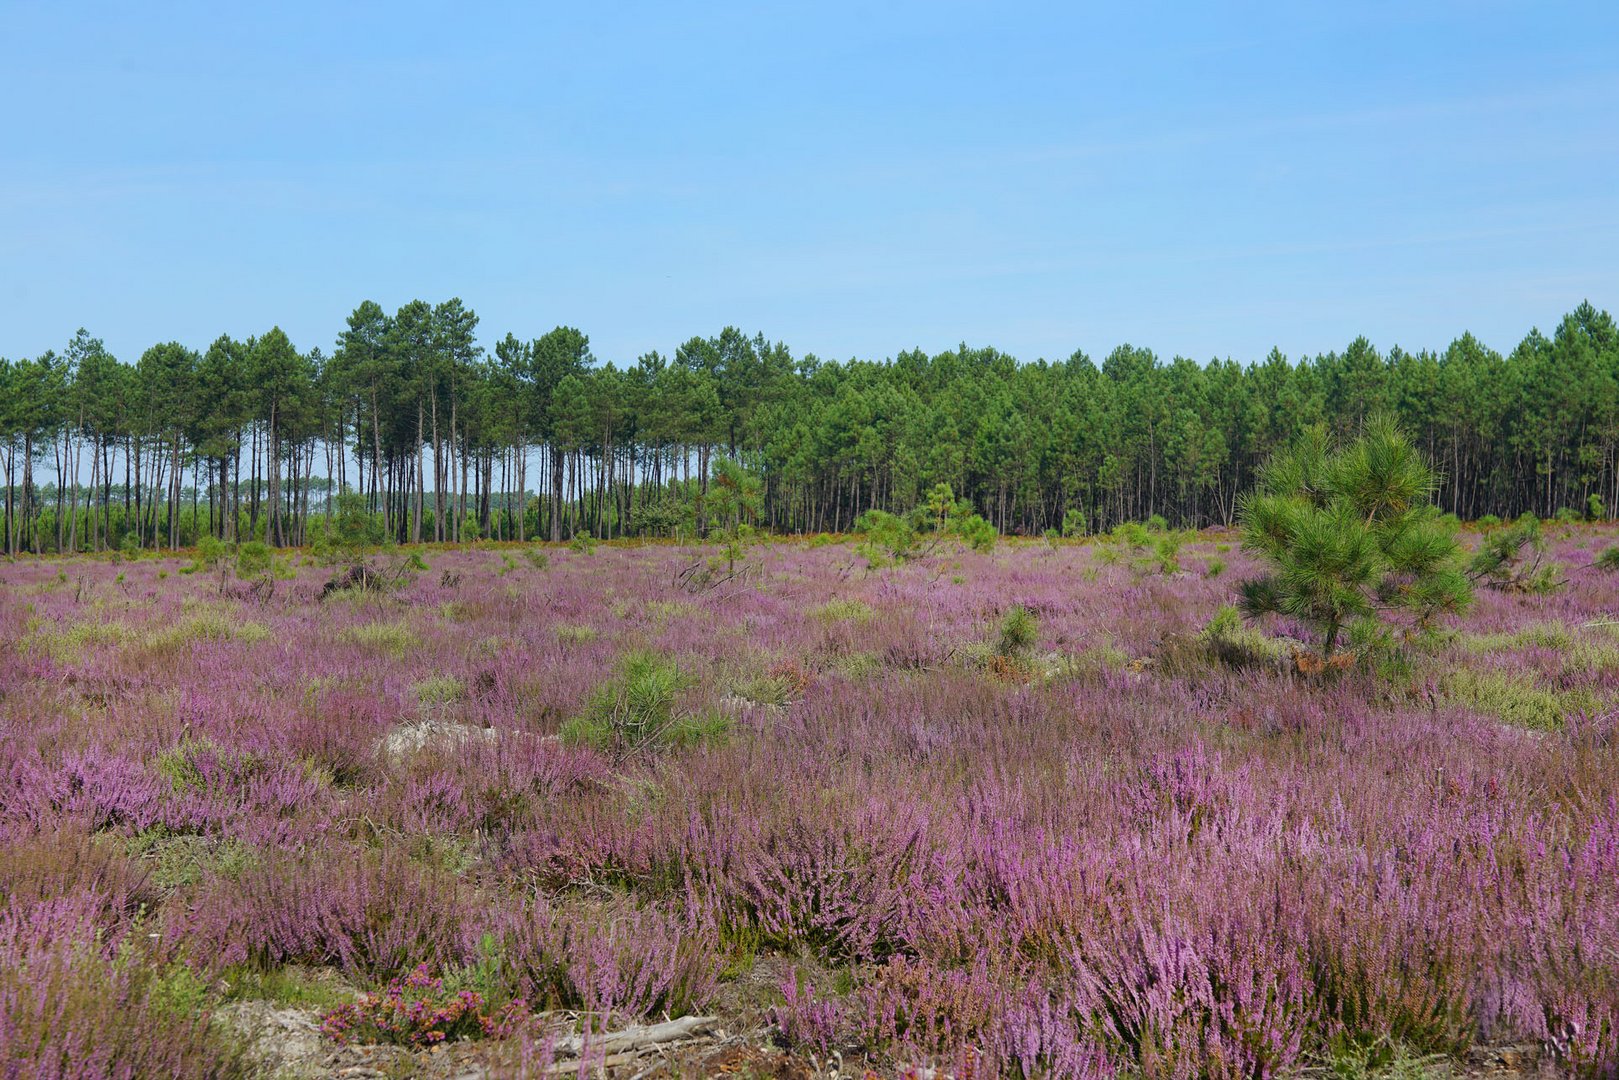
(1511, 559)
(889, 539)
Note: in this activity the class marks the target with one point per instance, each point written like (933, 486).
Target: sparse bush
(1488, 521)
(1511, 559)
(1608, 559)
(1166, 547)
(254, 559)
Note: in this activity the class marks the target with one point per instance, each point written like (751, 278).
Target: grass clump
(844, 610)
(1516, 699)
(66, 645)
(858, 665)
(394, 638)
(439, 690)
(291, 985)
(640, 707)
(209, 624)
(178, 861)
(576, 634)
(1231, 640)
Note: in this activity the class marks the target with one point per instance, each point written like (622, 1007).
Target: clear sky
(1202, 179)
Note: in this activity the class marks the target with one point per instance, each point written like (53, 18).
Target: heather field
(1008, 814)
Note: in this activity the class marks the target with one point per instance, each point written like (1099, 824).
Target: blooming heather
(1122, 853)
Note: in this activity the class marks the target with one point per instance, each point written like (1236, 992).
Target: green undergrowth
(1517, 699)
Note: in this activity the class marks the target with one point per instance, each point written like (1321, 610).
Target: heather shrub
(618, 961)
(78, 1002)
(831, 881)
(65, 861)
(373, 915)
(805, 1020)
(1225, 998)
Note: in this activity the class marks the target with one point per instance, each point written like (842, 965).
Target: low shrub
(416, 1010)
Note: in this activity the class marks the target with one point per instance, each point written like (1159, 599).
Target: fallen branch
(634, 1041)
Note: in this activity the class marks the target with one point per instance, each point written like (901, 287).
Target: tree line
(534, 439)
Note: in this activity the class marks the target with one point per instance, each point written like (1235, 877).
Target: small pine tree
(1512, 559)
(1352, 538)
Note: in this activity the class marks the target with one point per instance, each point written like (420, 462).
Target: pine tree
(1353, 539)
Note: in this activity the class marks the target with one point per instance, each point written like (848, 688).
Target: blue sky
(1204, 180)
